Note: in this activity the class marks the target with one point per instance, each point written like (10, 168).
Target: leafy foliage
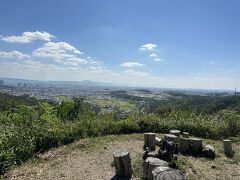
(35, 126)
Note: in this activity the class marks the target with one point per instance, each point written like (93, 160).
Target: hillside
(29, 126)
(91, 159)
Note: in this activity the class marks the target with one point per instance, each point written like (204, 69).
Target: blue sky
(154, 43)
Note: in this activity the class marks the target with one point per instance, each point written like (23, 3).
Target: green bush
(32, 129)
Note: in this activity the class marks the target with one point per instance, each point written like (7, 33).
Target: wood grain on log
(227, 146)
(151, 163)
(184, 146)
(122, 163)
(196, 146)
(166, 173)
(150, 141)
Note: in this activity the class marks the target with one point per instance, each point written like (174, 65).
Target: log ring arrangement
(156, 163)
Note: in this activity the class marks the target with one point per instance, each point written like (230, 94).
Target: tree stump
(122, 163)
(227, 146)
(153, 154)
(145, 154)
(209, 152)
(166, 173)
(166, 151)
(185, 135)
(196, 146)
(151, 163)
(175, 132)
(158, 141)
(150, 141)
(184, 146)
(171, 137)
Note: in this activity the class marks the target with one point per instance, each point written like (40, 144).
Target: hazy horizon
(164, 44)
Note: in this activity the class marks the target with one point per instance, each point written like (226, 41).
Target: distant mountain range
(89, 83)
(16, 82)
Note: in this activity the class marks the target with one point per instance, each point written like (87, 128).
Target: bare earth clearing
(91, 159)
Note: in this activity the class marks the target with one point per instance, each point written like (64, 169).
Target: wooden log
(175, 139)
(151, 163)
(209, 152)
(175, 132)
(184, 146)
(196, 146)
(171, 137)
(166, 173)
(166, 151)
(145, 154)
(158, 141)
(153, 154)
(122, 163)
(185, 135)
(227, 146)
(150, 141)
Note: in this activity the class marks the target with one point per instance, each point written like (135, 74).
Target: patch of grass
(182, 163)
(89, 144)
(138, 167)
(113, 103)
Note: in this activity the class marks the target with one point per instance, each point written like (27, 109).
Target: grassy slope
(91, 158)
(114, 102)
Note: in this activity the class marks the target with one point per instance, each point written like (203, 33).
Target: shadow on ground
(119, 178)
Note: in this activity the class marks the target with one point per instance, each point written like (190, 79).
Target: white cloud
(95, 68)
(13, 55)
(148, 47)
(31, 62)
(131, 64)
(75, 61)
(28, 37)
(158, 59)
(153, 55)
(56, 51)
(210, 63)
(30, 69)
(94, 62)
(225, 69)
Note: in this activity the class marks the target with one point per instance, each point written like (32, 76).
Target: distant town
(55, 89)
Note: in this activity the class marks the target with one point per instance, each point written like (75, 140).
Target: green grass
(94, 143)
(122, 105)
(137, 166)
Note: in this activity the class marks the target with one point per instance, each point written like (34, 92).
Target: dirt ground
(92, 164)
(91, 159)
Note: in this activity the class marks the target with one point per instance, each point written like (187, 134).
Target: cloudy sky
(154, 43)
